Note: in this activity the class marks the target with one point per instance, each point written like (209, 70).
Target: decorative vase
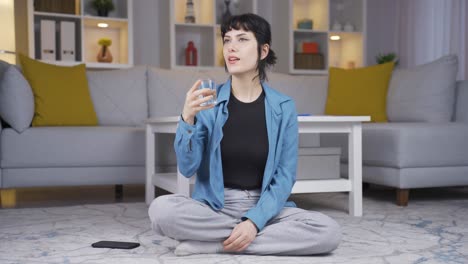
(348, 27)
(336, 26)
(191, 54)
(104, 55)
(189, 13)
(351, 65)
(103, 12)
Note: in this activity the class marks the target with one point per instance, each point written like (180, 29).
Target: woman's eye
(243, 39)
(226, 40)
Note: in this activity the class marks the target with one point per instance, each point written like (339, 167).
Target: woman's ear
(265, 50)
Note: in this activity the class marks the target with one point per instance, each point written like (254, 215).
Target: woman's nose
(231, 47)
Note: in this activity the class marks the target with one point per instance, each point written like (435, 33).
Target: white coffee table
(351, 125)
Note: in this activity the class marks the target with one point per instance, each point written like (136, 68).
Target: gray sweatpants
(293, 231)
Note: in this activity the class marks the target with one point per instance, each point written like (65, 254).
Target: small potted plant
(386, 57)
(103, 7)
(104, 54)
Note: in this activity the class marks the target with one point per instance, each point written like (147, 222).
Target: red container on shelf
(191, 56)
(310, 47)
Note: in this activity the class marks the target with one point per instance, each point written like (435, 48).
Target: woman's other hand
(193, 101)
(241, 236)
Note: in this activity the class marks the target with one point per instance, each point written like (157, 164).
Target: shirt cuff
(189, 129)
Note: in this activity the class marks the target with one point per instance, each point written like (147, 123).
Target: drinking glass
(210, 84)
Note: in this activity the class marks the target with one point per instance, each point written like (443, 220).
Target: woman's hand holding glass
(197, 100)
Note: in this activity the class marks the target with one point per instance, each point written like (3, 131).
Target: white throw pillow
(425, 93)
(119, 96)
(16, 99)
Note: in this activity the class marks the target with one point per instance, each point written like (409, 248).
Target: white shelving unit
(347, 52)
(87, 33)
(205, 32)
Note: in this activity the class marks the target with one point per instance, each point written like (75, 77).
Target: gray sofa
(112, 153)
(405, 154)
(425, 142)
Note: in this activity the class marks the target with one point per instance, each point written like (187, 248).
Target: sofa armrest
(461, 103)
(408, 144)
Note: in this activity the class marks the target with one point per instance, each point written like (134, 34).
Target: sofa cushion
(361, 92)
(16, 98)
(61, 94)
(308, 91)
(119, 96)
(81, 147)
(425, 93)
(409, 145)
(72, 147)
(461, 105)
(167, 88)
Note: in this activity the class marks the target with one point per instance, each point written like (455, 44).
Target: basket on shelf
(309, 61)
(56, 6)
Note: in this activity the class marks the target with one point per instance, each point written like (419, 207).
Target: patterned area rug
(432, 229)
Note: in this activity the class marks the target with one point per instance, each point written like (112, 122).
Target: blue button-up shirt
(198, 151)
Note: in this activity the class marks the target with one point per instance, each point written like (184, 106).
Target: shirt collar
(273, 98)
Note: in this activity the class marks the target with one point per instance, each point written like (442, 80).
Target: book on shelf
(47, 34)
(67, 41)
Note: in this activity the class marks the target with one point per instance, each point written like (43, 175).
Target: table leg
(183, 184)
(355, 170)
(150, 164)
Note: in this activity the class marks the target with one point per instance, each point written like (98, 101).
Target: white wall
(265, 9)
(146, 32)
(382, 28)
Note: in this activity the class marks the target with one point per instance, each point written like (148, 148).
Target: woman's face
(240, 51)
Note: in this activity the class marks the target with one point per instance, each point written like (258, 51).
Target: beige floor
(63, 196)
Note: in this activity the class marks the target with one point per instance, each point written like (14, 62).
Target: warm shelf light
(7, 52)
(335, 37)
(102, 25)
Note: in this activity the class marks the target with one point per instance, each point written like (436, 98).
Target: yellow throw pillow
(360, 91)
(61, 94)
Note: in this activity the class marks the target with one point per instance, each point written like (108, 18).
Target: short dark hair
(262, 32)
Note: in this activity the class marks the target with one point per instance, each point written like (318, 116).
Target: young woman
(244, 152)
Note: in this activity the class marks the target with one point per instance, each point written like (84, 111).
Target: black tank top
(244, 147)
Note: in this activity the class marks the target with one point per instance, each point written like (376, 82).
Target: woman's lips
(232, 59)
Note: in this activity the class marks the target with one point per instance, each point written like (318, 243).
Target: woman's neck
(246, 88)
